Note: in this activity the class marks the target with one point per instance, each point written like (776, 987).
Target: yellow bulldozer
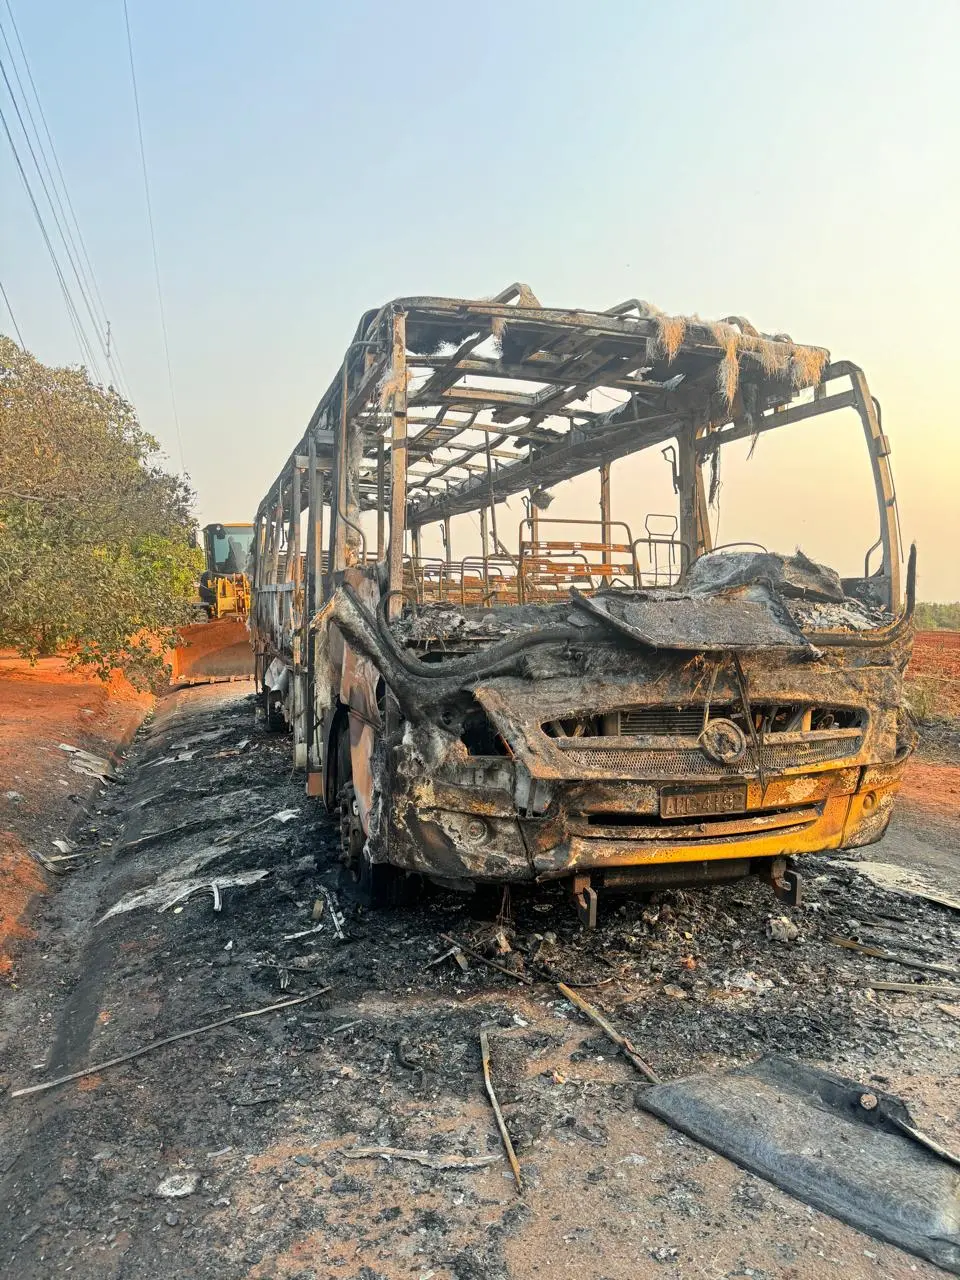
(218, 648)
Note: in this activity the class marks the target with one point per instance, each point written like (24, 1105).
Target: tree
(96, 554)
(938, 617)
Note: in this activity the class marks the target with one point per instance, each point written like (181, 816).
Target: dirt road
(256, 1121)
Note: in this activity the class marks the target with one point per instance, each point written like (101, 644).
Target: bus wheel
(375, 883)
(273, 717)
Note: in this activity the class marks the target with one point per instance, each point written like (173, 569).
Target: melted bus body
(613, 702)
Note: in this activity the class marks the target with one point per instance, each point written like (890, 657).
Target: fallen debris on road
(336, 915)
(90, 765)
(868, 1164)
(177, 1185)
(166, 894)
(916, 988)
(492, 964)
(159, 1044)
(168, 833)
(428, 1159)
(498, 1114)
(608, 1030)
(908, 883)
(851, 944)
(781, 929)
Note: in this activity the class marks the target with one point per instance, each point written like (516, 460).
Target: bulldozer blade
(207, 652)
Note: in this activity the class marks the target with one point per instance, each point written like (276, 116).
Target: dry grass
(932, 699)
(807, 365)
(727, 339)
(670, 334)
(778, 357)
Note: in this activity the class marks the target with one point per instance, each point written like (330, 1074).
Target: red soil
(932, 787)
(40, 707)
(936, 657)
(20, 879)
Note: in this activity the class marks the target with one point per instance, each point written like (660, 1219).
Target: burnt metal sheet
(739, 619)
(796, 576)
(844, 1148)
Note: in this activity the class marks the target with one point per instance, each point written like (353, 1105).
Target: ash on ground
(260, 1116)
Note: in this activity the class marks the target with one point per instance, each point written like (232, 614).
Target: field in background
(934, 675)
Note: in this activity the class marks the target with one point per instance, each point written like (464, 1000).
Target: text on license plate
(703, 802)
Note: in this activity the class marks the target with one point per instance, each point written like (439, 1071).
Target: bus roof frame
(462, 403)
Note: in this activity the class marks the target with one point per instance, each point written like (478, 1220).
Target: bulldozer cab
(226, 547)
(219, 648)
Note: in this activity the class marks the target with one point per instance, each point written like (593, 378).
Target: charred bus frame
(551, 736)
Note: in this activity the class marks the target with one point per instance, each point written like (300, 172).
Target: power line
(36, 165)
(86, 351)
(6, 300)
(153, 237)
(81, 255)
(53, 199)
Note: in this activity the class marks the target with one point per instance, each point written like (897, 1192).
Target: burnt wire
(714, 672)
(714, 477)
(756, 740)
(469, 668)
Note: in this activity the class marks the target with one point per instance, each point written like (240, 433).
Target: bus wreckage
(579, 700)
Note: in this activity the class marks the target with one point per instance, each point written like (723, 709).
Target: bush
(938, 617)
(96, 554)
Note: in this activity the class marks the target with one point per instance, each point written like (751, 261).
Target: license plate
(703, 802)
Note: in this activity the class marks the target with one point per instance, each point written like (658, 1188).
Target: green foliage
(95, 537)
(938, 617)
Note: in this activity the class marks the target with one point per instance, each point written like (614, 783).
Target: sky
(308, 160)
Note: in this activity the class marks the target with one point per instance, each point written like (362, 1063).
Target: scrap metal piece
(808, 1132)
(585, 900)
(785, 882)
(743, 618)
(498, 1114)
(797, 575)
(878, 953)
(952, 990)
(336, 915)
(92, 766)
(609, 1030)
(429, 1159)
(169, 892)
(905, 881)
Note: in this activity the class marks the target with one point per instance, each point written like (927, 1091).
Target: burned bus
(611, 702)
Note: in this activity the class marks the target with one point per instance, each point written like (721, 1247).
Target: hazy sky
(796, 164)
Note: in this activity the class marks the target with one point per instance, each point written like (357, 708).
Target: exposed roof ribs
(515, 380)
